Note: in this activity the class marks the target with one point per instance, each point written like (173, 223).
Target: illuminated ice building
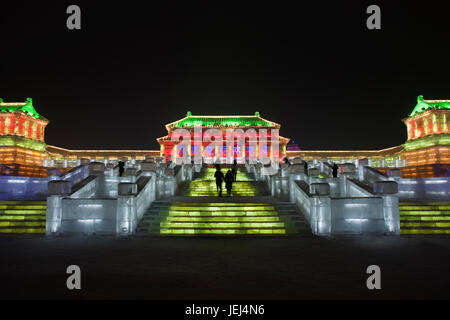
(427, 151)
(22, 145)
(23, 151)
(398, 190)
(250, 128)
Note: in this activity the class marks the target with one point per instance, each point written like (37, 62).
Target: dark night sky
(315, 69)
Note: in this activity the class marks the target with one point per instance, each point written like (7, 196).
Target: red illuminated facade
(427, 150)
(251, 129)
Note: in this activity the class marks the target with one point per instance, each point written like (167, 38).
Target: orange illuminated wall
(22, 146)
(427, 150)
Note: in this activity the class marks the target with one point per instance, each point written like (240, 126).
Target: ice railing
(169, 179)
(76, 174)
(31, 188)
(132, 204)
(426, 189)
(336, 205)
(93, 210)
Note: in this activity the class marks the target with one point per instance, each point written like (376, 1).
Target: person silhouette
(335, 170)
(121, 168)
(305, 166)
(229, 178)
(234, 169)
(219, 179)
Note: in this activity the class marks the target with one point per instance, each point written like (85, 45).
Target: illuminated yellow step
(22, 223)
(221, 231)
(222, 208)
(23, 230)
(222, 219)
(424, 231)
(431, 224)
(425, 208)
(22, 217)
(22, 207)
(209, 187)
(21, 211)
(220, 204)
(221, 225)
(424, 213)
(424, 218)
(220, 213)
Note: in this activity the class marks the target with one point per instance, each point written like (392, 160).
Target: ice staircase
(219, 218)
(23, 217)
(201, 212)
(205, 185)
(424, 217)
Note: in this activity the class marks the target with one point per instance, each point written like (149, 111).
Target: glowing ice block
(127, 188)
(59, 187)
(385, 187)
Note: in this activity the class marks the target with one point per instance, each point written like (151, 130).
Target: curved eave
(272, 124)
(424, 113)
(427, 105)
(39, 119)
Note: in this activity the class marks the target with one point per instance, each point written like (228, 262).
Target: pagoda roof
(25, 107)
(424, 105)
(222, 121)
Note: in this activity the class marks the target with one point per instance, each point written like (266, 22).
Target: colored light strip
(426, 142)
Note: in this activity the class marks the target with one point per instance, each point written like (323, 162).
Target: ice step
(23, 217)
(424, 217)
(222, 219)
(33, 230)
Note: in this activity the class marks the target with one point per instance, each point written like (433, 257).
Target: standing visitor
(219, 179)
(229, 178)
(234, 170)
(305, 166)
(121, 168)
(335, 170)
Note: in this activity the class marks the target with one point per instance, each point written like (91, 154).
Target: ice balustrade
(338, 205)
(326, 168)
(131, 207)
(76, 174)
(371, 175)
(31, 188)
(437, 189)
(23, 188)
(106, 204)
(415, 189)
